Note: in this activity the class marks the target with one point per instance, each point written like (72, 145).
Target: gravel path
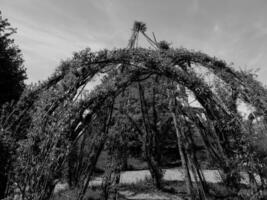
(149, 196)
(175, 174)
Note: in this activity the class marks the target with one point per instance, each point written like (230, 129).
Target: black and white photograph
(133, 99)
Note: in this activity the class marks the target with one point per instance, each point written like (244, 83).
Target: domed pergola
(50, 118)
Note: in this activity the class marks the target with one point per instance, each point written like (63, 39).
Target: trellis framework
(53, 117)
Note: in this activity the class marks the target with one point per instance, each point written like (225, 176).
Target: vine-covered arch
(51, 117)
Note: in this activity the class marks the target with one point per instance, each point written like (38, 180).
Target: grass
(140, 186)
(71, 194)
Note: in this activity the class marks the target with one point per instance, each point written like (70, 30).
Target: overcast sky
(51, 30)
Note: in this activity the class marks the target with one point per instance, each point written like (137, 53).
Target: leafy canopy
(12, 71)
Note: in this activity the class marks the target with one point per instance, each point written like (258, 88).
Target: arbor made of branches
(59, 117)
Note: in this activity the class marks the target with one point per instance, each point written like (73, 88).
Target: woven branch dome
(59, 117)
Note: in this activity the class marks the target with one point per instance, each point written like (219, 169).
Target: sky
(49, 31)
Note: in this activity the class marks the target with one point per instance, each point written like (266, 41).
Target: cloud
(195, 6)
(49, 31)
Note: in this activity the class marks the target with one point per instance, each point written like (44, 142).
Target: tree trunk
(156, 146)
(96, 149)
(156, 172)
(112, 177)
(3, 184)
(185, 164)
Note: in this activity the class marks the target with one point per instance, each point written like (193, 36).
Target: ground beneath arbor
(174, 174)
(137, 185)
(150, 195)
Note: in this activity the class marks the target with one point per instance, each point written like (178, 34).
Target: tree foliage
(12, 76)
(12, 71)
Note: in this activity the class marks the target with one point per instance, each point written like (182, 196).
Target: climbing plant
(53, 117)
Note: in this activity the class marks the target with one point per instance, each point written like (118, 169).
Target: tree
(12, 76)
(12, 71)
